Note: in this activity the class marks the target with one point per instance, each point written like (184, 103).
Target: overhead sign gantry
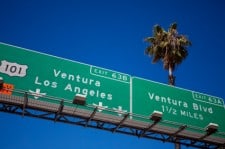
(39, 81)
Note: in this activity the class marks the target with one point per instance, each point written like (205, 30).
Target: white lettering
(68, 87)
(37, 81)
(63, 75)
(167, 100)
(56, 73)
(198, 107)
(191, 115)
(46, 83)
(13, 69)
(77, 78)
(151, 96)
(93, 93)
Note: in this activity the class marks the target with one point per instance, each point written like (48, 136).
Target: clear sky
(110, 34)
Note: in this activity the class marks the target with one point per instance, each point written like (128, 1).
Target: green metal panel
(47, 75)
(177, 105)
(44, 75)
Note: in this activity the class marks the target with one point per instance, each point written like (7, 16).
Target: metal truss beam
(121, 122)
(58, 113)
(91, 117)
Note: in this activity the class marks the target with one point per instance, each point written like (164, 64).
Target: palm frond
(170, 47)
(173, 26)
(157, 30)
(150, 39)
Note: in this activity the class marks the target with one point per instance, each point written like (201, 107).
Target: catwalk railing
(62, 110)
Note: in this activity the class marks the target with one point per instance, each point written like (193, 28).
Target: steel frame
(23, 108)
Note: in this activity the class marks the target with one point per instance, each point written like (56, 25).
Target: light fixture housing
(156, 116)
(1, 82)
(212, 128)
(79, 99)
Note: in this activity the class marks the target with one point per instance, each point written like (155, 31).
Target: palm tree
(170, 47)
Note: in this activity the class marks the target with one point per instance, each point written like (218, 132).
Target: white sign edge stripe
(181, 89)
(109, 77)
(131, 97)
(104, 68)
(42, 53)
(208, 102)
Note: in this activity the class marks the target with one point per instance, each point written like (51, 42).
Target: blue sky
(110, 34)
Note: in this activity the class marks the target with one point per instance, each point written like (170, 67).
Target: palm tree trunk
(172, 82)
(171, 76)
(177, 146)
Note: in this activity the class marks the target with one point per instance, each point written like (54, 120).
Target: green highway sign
(177, 105)
(44, 75)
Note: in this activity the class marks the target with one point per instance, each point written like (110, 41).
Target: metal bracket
(92, 115)
(178, 131)
(25, 103)
(147, 129)
(121, 122)
(59, 110)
